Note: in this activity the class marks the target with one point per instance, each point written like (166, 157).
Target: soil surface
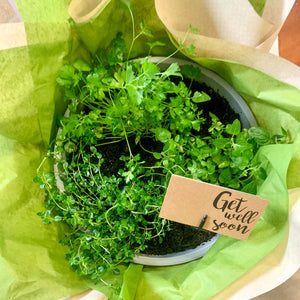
(181, 238)
(217, 105)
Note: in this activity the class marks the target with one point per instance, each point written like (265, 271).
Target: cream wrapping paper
(215, 20)
(12, 30)
(232, 48)
(12, 35)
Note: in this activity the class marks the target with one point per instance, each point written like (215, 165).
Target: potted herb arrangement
(130, 125)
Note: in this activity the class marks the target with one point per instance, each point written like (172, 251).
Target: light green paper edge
(40, 272)
(258, 5)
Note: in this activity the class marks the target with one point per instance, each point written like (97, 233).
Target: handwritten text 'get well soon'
(235, 211)
(229, 212)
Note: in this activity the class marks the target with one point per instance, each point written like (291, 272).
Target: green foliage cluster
(110, 217)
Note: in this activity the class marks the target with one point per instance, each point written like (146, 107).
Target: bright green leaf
(155, 44)
(199, 97)
(234, 128)
(134, 94)
(196, 124)
(173, 70)
(157, 155)
(191, 72)
(150, 69)
(70, 147)
(81, 65)
(66, 76)
(191, 50)
(162, 134)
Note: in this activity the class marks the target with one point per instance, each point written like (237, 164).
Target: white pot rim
(175, 258)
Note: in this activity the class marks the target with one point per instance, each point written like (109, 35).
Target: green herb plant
(110, 202)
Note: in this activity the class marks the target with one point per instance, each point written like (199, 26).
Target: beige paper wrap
(235, 47)
(12, 31)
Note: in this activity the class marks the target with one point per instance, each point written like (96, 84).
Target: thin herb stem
(126, 138)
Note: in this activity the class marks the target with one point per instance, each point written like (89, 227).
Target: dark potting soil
(181, 237)
(111, 153)
(217, 105)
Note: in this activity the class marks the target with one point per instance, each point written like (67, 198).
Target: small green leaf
(199, 97)
(196, 124)
(150, 69)
(93, 149)
(116, 271)
(128, 74)
(134, 94)
(128, 175)
(142, 25)
(260, 135)
(173, 70)
(191, 72)
(49, 176)
(66, 76)
(220, 143)
(46, 217)
(38, 180)
(240, 162)
(93, 80)
(148, 33)
(193, 29)
(81, 65)
(234, 128)
(70, 147)
(155, 44)
(162, 134)
(221, 161)
(157, 155)
(57, 218)
(191, 50)
(225, 175)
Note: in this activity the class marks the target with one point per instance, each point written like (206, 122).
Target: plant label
(229, 212)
